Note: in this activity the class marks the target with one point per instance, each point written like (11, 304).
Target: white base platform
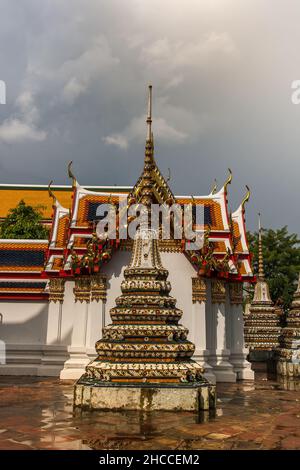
(34, 360)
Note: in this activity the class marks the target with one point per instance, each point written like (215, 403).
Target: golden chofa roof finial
(228, 181)
(246, 197)
(214, 187)
(50, 192)
(149, 115)
(71, 174)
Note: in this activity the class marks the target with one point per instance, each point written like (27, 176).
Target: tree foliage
(281, 252)
(24, 221)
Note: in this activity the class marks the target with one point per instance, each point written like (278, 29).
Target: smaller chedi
(262, 328)
(144, 358)
(288, 354)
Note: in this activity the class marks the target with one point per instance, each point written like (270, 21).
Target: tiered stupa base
(288, 355)
(262, 331)
(144, 357)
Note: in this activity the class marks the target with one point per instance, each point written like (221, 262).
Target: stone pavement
(37, 413)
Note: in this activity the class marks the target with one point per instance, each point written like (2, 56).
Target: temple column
(54, 353)
(96, 313)
(219, 357)
(238, 352)
(74, 367)
(199, 297)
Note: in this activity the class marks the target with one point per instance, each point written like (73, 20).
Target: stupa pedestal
(288, 355)
(144, 358)
(145, 397)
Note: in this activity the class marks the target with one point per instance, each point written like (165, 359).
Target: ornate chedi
(262, 329)
(144, 357)
(289, 352)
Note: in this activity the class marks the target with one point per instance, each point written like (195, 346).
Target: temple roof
(72, 225)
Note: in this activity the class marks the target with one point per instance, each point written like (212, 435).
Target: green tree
(281, 252)
(24, 221)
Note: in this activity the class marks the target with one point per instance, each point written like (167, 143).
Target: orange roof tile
(10, 197)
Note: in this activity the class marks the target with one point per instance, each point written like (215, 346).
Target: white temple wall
(23, 322)
(180, 276)
(23, 330)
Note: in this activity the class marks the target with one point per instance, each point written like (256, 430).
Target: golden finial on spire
(261, 274)
(246, 197)
(214, 187)
(259, 222)
(169, 175)
(228, 181)
(149, 116)
(50, 192)
(71, 174)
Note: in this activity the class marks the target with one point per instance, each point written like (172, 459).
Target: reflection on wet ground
(37, 413)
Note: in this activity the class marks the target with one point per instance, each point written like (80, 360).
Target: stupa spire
(149, 115)
(261, 274)
(151, 185)
(149, 164)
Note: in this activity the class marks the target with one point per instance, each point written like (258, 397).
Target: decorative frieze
(236, 293)
(82, 289)
(56, 289)
(170, 246)
(218, 292)
(165, 245)
(198, 290)
(98, 287)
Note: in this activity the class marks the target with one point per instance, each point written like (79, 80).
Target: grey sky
(76, 73)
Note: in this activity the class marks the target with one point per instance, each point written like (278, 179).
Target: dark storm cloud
(76, 75)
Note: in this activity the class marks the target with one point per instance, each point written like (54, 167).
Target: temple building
(56, 295)
(262, 325)
(288, 355)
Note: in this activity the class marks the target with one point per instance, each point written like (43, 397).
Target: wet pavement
(37, 413)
